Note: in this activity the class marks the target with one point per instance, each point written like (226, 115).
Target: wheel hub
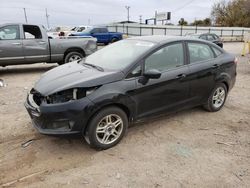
(109, 129)
(219, 97)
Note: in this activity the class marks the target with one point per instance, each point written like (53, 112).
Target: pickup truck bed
(25, 44)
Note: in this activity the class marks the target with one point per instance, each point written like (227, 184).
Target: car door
(11, 45)
(101, 34)
(203, 66)
(35, 47)
(168, 92)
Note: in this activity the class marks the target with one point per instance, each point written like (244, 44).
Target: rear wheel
(217, 98)
(73, 56)
(114, 40)
(106, 128)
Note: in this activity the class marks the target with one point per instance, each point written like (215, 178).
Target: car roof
(161, 39)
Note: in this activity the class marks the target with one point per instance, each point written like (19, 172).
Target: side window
(217, 51)
(204, 37)
(10, 32)
(210, 37)
(32, 32)
(96, 30)
(81, 29)
(103, 30)
(168, 57)
(136, 72)
(199, 52)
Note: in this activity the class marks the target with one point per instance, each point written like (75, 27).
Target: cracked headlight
(69, 95)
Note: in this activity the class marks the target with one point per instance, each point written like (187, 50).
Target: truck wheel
(73, 56)
(106, 128)
(114, 40)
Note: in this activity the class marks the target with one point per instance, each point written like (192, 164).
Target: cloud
(80, 12)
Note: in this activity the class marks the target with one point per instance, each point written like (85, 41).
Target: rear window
(215, 36)
(217, 51)
(199, 52)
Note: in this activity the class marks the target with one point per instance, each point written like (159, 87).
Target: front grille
(37, 97)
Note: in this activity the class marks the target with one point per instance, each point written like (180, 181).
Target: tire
(99, 129)
(114, 40)
(73, 56)
(216, 99)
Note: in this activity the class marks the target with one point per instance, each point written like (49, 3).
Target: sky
(85, 12)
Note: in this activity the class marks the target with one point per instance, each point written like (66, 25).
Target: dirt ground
(192, 148)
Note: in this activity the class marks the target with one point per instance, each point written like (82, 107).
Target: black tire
(210, 104)
(91, 135)
(68, 58)
(114, 40)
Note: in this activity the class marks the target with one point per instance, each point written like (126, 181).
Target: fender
(125, 102)
(225, 78)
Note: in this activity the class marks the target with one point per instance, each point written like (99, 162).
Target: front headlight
(69, 95)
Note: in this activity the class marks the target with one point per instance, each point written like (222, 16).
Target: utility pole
(128, 7)
(140, 19)
(88, 21)
(47, 18)
(155, 21)
(24, 10)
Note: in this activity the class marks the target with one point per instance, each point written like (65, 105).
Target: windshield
(119, 55)
(87, 31)
(195, 36)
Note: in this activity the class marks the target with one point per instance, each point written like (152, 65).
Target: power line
(183, 6)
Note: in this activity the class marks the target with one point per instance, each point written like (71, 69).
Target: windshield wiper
(94, 66)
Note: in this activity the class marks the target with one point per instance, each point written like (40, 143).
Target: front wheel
(217, 98)
(107, 128)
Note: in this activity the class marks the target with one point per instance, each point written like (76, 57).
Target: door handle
(16, 43)
(42, 42)
(181, 76)
(215, 66)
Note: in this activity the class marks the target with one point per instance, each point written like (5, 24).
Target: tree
(182, 21)
(233, 13)
(205, 22)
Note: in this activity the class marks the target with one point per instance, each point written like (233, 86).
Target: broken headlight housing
(69, 95)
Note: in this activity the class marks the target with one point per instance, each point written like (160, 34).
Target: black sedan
(128, 81)
(209, 37)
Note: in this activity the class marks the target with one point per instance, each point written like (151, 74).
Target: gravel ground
(192, 148)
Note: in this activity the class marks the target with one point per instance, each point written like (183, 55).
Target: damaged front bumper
(57, 119)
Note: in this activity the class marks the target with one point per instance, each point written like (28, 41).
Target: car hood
(74, 75)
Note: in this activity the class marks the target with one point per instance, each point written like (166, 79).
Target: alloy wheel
(74, 58)
(109, 129)
(219, 97)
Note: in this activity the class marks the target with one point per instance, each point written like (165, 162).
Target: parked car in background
(101, 34)
(209, 37)
(58, 32)
(80, 28)
(25, 44)
(128, 81)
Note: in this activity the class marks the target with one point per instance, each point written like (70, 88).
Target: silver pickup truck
(25, 44)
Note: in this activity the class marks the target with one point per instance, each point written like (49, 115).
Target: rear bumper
(59, 119)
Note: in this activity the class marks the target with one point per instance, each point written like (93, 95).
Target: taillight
(235, 60)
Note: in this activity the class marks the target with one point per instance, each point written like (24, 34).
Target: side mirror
(152, 74)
